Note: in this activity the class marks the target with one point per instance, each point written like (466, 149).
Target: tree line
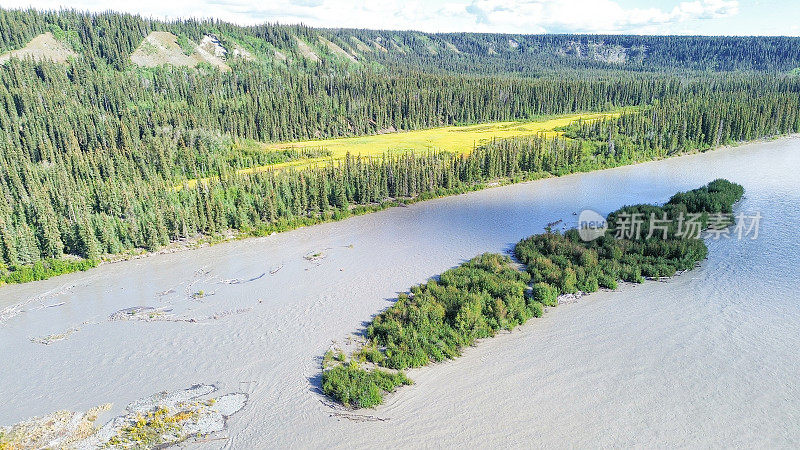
(91, 151)
(92, 203)
(108, 39)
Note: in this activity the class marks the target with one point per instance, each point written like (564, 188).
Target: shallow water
(708, 358)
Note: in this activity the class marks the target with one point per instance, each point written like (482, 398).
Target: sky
(704, 17)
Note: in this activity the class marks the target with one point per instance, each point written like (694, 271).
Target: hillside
(297, 45)
(160, 47)
(93, 146)
(43, 47)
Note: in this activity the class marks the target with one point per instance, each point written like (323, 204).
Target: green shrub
(486, 294)
(372, 354)
(536, 309)
(569, 281)
(589, 284)
(545, 294)
(607, 281)
(44, 269)
(354, 386)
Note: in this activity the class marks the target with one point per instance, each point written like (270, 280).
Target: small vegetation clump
(354, 386)
(472, 301)
(149, 430)
(162, 426)
(564, 264)
(43, 269)
(489, 293)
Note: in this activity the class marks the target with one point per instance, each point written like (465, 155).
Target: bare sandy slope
(161, 47)
(707, 359)
(306, 50)
(337, 50)
(42, 47)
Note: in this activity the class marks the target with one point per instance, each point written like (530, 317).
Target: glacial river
(709, 358)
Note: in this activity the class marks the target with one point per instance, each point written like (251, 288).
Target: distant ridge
(120, 40)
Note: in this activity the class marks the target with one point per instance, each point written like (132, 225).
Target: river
(708, 358)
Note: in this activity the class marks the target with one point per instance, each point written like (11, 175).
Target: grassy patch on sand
(41, 270)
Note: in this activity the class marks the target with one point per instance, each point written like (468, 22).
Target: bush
(569, 281)
(545, 294)
(354, 386)
(607, 281)
(372, 354)
(486, 294)
(44, 269)
(589, 284)
(536, 309)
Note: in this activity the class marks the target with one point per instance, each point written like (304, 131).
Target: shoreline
(637, 334)
(433, 321)
(204, 241)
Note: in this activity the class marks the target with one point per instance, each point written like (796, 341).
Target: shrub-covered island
(491, 292)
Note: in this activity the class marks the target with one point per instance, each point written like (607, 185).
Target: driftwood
(341, 412)
(358, 417)
(241, 281)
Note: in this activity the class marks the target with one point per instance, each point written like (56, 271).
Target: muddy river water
(708, 358)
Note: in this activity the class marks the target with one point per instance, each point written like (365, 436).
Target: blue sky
(707, 17)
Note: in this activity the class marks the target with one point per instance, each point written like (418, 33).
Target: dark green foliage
(545, 294)
(43, 269)
(717, 197)
(487, 293)
(565, 263)
(470, 302)
(354, 386)
(90, 151)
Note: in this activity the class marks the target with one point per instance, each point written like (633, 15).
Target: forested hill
(102, 116)
(111, 39)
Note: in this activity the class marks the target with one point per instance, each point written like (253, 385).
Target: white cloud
(511, 16)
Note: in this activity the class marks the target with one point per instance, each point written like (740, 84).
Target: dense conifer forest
(109, 39)
(91, 150)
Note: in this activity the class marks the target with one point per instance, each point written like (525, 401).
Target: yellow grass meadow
(456, 139)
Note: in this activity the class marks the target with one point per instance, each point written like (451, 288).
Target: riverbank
(73, 264)
(701, 359)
